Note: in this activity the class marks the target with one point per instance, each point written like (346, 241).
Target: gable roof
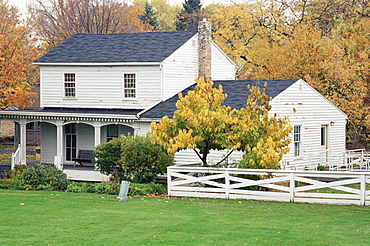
(117, 48)
(235, 89)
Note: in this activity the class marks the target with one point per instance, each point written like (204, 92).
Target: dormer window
(70, 85)
(129, 84)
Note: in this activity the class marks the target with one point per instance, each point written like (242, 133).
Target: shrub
(134, 159)
(12, 178)
(42, 177)
(16, 173)
(8, 184)
(146, 189)
(108, 156)
(112, 188)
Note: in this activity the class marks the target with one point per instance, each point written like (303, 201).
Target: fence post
(363, 189)
(169, 185)
(292, 186)
(227, 185)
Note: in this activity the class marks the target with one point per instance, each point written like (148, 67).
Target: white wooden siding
(189, 157)
(100, 87)
(142, 128)
(222, 67)
(48, 142)
(312, 111)
(181, 68)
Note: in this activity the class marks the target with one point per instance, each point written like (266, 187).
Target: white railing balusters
(16, 157)
(350, 159)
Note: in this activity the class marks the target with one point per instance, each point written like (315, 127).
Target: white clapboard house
(94, 87)
(319, 127)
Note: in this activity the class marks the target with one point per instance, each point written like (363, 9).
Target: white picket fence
(278, 185)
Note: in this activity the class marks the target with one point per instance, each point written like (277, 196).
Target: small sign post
(122, 197)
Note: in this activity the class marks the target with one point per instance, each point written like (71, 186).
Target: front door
(71, 141)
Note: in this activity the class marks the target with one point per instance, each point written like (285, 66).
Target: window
(297, 141)
(112, 132)
(324, 135)
(129, 84)
(69, 85)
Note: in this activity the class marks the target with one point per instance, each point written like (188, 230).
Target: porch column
(137, 129)
(23, 142)
(97, 130)
(58, 159)
(59, 125)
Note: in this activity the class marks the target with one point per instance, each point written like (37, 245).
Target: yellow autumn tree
(203, 123)
(16, 55)
(324, 42)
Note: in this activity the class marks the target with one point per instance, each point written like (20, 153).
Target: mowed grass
(58, 218)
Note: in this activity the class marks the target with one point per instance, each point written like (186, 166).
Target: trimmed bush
(108, 157)
(146, 189)
(112, 188)
(12, 178)
(42, 177)
(133, 159)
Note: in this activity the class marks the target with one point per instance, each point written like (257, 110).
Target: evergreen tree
(150, 16)
(189, 16)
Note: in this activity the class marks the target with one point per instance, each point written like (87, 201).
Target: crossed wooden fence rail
(274, 185)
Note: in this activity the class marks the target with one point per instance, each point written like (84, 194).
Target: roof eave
(96, 63)
(59, 114)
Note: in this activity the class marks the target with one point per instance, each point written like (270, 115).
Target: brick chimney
(204, 48)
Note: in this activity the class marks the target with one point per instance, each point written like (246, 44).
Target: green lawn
(58, 218)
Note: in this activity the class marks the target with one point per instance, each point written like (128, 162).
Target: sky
(22, 3)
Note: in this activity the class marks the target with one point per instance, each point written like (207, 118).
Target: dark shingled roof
(122, 47)
(235, 89)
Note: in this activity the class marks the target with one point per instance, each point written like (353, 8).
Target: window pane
(69, 85)
(297, 140)
(129, 85)
(323, 135)
(112, 132)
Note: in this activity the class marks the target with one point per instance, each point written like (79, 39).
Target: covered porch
(65, 132)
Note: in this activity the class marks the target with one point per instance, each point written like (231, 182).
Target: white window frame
(72, 88)
(127, 89)
(297, 140)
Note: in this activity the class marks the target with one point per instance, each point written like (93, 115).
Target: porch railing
(16, 157)
(277, 185)
(357, 159)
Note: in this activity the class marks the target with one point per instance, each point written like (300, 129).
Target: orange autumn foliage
(16, 55)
